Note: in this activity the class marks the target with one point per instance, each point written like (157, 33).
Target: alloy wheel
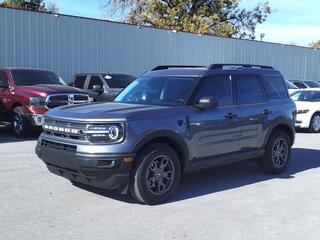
(280, 152)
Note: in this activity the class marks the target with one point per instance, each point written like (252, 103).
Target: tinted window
(249, 89)
(290, 85)
(95, 80)
(34, 77)
(275, 87)
(3, 79)
(79, 81)
(118, 80)
(299, 85)
(218, 87)
(313, 84)
(162, 91)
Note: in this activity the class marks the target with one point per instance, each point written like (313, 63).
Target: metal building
(69, 45)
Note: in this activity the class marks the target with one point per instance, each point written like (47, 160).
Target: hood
(44, 90)
(111, 110)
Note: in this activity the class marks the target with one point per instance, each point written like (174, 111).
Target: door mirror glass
(97, 88)
(207, 103)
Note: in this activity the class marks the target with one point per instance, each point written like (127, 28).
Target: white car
(291, 87)
(308, 108)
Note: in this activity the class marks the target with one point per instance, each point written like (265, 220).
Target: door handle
(266, 112)
(231, 116)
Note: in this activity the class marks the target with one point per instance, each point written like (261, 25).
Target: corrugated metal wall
(69, 45)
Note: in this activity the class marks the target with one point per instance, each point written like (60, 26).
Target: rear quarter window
(275, 87)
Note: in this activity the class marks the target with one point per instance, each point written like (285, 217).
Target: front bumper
(303, 121)
(106, 171)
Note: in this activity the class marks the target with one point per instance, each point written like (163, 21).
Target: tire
(277, 153)
(21, 125)
(315, 123)
(163, 181)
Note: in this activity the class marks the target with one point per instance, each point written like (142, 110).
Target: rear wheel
(21, 126)
(277, 153)
(315, 123)
(156, 175)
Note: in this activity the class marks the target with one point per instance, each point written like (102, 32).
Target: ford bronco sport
(169, 121)
(26, 94)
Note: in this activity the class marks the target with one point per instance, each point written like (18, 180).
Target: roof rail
(163, 67)
(221, 66)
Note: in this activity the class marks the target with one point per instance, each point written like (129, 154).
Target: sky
(292, 21)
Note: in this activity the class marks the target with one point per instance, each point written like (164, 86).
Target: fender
(175, 137)
(284, 122)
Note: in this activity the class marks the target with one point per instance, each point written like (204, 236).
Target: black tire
(21, 125)
(146, 168)
(275, 161)
(314, 128)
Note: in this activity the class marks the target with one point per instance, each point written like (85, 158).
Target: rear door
(254, 111)
(215, 132)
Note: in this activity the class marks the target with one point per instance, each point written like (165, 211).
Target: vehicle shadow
(7, 136)
(214, 180)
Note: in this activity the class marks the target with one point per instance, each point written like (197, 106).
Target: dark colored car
(102, 87)
(170, 121)
(26, 94)
(301, 84)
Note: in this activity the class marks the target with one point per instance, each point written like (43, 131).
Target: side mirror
(207, 103)
(71, 84)
(97, 88)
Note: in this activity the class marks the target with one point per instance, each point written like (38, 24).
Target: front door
(215, 132)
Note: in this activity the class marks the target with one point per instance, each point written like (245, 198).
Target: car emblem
(70, 99)
(69, 125)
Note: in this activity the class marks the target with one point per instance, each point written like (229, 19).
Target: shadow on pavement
(214, 180)
(7, 136)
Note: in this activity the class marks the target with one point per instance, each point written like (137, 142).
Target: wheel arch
(285, 126)
(170, 138)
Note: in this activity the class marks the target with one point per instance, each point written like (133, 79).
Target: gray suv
(169, 121)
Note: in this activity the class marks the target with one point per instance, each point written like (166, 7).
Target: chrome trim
(70, 97)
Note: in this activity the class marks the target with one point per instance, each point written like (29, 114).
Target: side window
(95, 80)
(275, 87)
(3, 79)
(300, 85)
(249, 89)
(79, 81)
(219, 87)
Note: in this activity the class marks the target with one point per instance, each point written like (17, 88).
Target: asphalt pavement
(234, 202)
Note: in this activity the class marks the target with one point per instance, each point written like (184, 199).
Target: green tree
(34, 5)
(215, 17)
(315, 44)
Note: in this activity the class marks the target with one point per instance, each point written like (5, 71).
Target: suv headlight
(105, 133)
(37, 101)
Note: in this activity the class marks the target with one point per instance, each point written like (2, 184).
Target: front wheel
(21, 126)
(315, 123)
(156, 175)
(277, 153)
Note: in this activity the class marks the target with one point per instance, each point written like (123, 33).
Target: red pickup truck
(26, 94)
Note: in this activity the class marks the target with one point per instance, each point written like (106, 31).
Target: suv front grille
(63, 129)
(56, 100)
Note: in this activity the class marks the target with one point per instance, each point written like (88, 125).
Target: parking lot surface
(234, 202)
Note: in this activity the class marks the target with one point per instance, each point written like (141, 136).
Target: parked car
(308, 109)
(291, 87)
(26, 94)
(170, 121)
(102, 87)
(302, 84)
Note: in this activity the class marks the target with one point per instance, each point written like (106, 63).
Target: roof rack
(221, 66)
(163, 67)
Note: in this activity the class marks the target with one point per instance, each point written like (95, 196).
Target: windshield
(290, 85)
(162, 91)
(118, 80)
(29, 78)
(306, 96)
